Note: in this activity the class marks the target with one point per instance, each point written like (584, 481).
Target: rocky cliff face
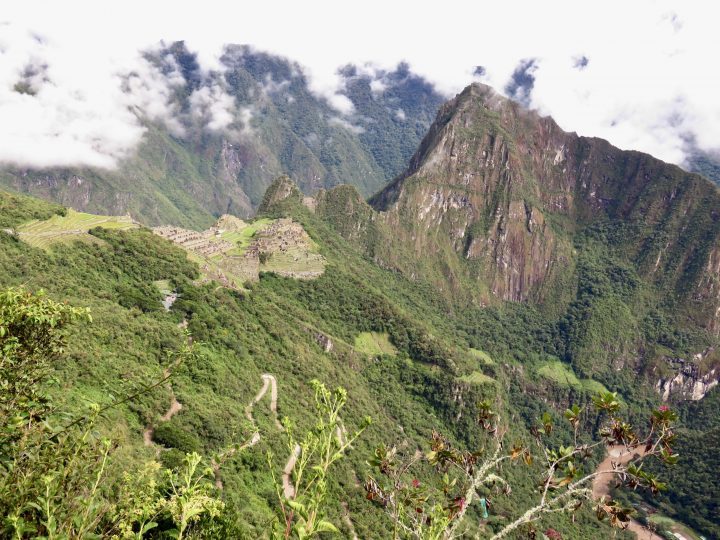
(688, 378)
(687, 384)
(469, 185)
(507, 190)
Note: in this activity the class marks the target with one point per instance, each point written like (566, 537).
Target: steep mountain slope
(510, 189)
(189, 170)
(424, 378)
(499, 204)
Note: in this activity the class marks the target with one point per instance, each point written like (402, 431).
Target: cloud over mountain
(74, 78)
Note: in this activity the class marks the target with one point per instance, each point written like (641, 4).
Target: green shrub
(172, 436)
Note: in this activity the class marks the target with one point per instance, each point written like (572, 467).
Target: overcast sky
(640, 73)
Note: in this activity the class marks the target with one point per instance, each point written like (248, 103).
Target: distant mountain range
(278, 126)
(505, 261)
(185, 175)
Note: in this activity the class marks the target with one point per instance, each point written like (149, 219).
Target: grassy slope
(374, 344)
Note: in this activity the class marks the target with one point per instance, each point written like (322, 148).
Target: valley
(511, 272)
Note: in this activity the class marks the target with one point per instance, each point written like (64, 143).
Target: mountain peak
(497, 192)
(475, 129)
(483, 93)
(281, 190)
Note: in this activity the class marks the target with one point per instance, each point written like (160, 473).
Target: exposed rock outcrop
(687, 384)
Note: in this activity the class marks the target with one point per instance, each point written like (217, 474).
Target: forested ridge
(448, 368)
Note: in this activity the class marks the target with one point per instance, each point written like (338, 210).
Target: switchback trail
(619, 455)
(270, 382)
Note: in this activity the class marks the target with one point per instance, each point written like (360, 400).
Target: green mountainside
(419, 377)
(696, 497)
(512, 267)
(278, 127)
(500, 205)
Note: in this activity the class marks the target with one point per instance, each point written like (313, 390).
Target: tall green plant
(49, 476)
(303, 491)
(54, 471)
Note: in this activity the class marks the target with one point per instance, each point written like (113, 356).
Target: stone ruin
(206, 243)
(288, 245)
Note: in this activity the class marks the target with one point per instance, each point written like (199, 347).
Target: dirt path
(341, 433)
(269, 381)
(174, 408)
(288, 487)
(348, 521)
(619, 455)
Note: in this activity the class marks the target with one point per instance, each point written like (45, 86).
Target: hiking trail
(174, 408)
(619, 455)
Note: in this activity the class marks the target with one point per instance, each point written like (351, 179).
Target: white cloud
(377, 86)
(649, 82)
(246, 115)
(270, 86)
(149, 93)
(340, 103)
(65, 116)
(343, 123)
(213, 107)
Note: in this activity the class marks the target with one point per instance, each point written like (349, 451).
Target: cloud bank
(74, 80)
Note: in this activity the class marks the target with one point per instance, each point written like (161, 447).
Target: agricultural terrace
(71, 227)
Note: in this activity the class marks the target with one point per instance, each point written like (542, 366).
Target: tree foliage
(437, 510)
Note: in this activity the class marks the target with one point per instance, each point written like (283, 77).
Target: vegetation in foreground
(300, 330)
(57, 479)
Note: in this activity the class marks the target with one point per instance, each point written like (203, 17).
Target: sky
(639, 73)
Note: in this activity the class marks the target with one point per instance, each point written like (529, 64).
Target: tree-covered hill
(431, 378)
